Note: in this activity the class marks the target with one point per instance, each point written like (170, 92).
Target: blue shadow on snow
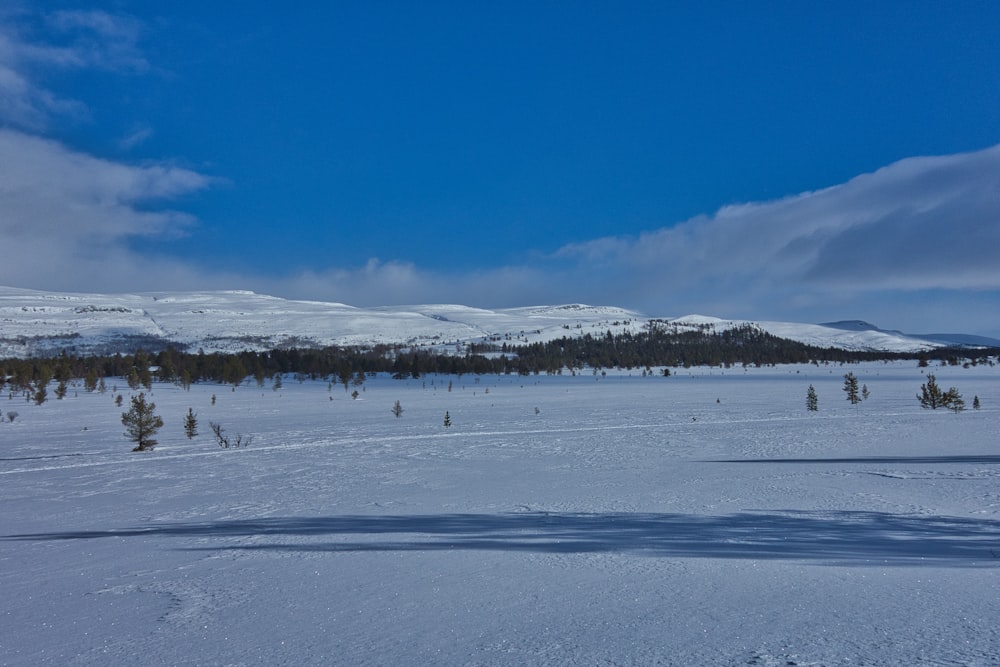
(822, 537)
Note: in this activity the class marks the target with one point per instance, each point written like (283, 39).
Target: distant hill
(39, 323)
(945, 339)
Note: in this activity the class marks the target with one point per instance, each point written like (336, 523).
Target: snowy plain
(702, 519)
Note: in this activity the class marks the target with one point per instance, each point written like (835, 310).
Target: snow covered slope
(35, 322)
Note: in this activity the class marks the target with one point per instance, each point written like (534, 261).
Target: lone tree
(447, 419)
(812, 401)
(141, 423)
(975, 403)
(931, 397)
(397, 409)
(190, 424)
(851, 387)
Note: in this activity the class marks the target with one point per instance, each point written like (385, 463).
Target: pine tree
(191, 424)
(141, 423)
(975, 402)
(864, 392)
(851, 388)
(447, 419)
(812, 401)
(397, 409)
(954, 400)
(90, 380)
(931, 397)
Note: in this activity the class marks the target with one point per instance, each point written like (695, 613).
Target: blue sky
(771, 160)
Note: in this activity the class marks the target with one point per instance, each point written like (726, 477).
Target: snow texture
(38, 323)
(702, 519)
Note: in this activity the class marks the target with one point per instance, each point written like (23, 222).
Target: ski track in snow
(702, 519)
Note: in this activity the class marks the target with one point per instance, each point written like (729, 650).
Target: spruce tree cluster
(931, 396)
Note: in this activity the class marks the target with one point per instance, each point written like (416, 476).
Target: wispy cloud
(31, 45)
(137, 136)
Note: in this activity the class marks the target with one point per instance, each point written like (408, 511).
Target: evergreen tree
(190, 424)
(812, 401)
(975, 402)
(447, 419)
(61, 390)
(931, 397)
(132, 379)
(864, 392)
(851, 388)
(90, 380)
(397, 409)
(141, 423)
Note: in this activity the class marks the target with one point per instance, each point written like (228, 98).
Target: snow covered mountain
(35, 322)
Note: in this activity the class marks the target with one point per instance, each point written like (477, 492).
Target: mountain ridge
(39, 323)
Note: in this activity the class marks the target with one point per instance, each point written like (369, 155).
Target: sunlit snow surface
(40, 323)
(701, 519)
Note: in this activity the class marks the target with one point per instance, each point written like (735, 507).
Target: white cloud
(68, 211)
(402, 283)
(918, 224)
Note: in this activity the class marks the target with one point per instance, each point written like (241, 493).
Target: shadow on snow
(840, 538)
(976, 459)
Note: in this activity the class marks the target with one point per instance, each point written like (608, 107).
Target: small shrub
(226, 441)
(190, 424)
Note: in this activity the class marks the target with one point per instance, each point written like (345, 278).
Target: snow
(39, 323)
(704, 518)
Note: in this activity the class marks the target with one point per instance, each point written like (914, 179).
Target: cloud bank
(920, 224)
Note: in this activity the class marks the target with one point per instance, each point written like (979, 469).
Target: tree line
(656, 346)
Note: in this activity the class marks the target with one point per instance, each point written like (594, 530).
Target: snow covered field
(701, 519)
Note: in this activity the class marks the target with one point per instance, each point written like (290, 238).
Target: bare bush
(228, 441)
